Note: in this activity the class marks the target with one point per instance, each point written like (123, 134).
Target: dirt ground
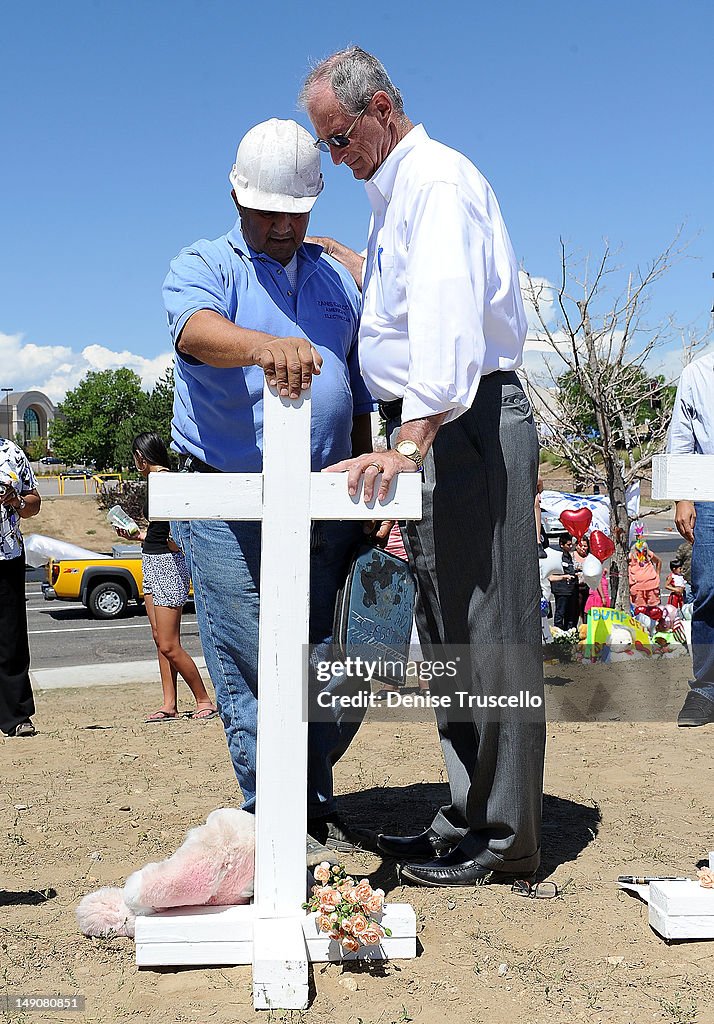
(622, 796)
(97, 794)
(75, 519)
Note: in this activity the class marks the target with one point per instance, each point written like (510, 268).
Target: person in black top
(565, 587)
(166, 589)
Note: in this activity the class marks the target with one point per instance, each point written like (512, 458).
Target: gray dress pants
(475, 558)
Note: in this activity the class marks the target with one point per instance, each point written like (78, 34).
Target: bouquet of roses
(345, 907)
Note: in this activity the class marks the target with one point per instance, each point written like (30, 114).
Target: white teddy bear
(214, 866)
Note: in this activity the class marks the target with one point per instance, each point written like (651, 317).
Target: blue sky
(119, 125)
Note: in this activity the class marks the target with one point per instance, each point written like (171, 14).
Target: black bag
(374, 612)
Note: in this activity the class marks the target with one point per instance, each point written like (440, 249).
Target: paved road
(63, 634)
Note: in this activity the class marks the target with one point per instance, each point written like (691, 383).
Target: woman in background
(166, 590)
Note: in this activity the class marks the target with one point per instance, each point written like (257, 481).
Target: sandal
(161, 716)
(203, 714)
(24, 729)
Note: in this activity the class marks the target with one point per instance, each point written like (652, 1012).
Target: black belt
(192, 464)
(390, 410)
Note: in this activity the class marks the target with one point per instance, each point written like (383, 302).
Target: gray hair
(354, 77)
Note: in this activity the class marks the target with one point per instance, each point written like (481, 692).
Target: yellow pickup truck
(104, 585)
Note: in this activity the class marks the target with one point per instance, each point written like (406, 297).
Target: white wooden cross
(683, 477)
(274, 933)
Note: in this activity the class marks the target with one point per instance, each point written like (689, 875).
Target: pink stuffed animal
(213, 867)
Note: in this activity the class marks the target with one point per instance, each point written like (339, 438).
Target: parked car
(104, 585)
(552, 525)
(50, 460)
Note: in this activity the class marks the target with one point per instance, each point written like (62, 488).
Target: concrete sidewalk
(104, 674)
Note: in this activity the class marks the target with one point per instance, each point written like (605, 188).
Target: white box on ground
(681, 910)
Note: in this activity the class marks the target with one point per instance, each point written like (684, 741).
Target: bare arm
(372, 463)
(684, 519)
(288, 363)
(350, 260)
(32, 501)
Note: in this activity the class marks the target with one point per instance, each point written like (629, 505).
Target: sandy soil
(76, 519)
(621, 797)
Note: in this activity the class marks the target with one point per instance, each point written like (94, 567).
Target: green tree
(36, 448)
(153, 413)
(649, 398)
(92, 421)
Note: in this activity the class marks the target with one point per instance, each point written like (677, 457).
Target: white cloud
(547, 300)
(56, 369)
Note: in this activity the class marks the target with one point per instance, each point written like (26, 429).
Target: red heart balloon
(576, 521)
(601, 546)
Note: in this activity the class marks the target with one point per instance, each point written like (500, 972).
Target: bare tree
(598, 371)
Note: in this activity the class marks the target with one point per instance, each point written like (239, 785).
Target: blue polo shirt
(218, 412)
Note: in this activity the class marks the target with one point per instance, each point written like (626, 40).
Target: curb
(103, 674)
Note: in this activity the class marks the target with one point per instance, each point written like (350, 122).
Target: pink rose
(322, 872)
(356, 925)
(375, 905)
(329, 898)
(323, 923)
(363, 891)
(349, 945)
(371, 936)
(706, 877)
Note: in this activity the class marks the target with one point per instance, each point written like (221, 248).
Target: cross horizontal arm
(683, 477)
(239, 496)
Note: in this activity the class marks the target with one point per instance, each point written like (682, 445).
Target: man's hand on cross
(370, 466)
(685, 518)
(288, 363)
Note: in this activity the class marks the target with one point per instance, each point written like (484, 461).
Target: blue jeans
(703, 610)
(224, 562)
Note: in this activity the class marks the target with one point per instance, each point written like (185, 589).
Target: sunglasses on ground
(535, 891)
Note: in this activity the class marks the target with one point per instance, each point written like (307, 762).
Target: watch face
(407, 448)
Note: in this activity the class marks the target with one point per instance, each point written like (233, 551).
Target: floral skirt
(166, 579)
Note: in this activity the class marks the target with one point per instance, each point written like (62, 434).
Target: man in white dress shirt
(441, 334)
(692, 432)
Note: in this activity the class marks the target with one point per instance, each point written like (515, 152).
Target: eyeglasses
(539, 891)
(342, 139)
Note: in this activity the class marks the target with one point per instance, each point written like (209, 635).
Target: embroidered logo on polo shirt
(334, 310)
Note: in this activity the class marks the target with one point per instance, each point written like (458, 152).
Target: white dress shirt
(692, 429)
(441, 300)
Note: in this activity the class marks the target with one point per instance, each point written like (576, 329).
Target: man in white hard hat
(259, 302)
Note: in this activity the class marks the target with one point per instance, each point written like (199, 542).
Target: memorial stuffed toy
(214, 866)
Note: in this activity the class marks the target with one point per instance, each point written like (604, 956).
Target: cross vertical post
(274, 934)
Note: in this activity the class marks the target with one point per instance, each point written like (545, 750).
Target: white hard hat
(277, 168)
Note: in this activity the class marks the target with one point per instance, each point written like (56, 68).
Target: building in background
(26, 415)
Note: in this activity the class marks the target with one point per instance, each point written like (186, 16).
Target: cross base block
(207, 936)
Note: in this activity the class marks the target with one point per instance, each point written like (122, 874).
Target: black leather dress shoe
(425, 846)
(455, 869)
(334, 833)
(696, 710)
